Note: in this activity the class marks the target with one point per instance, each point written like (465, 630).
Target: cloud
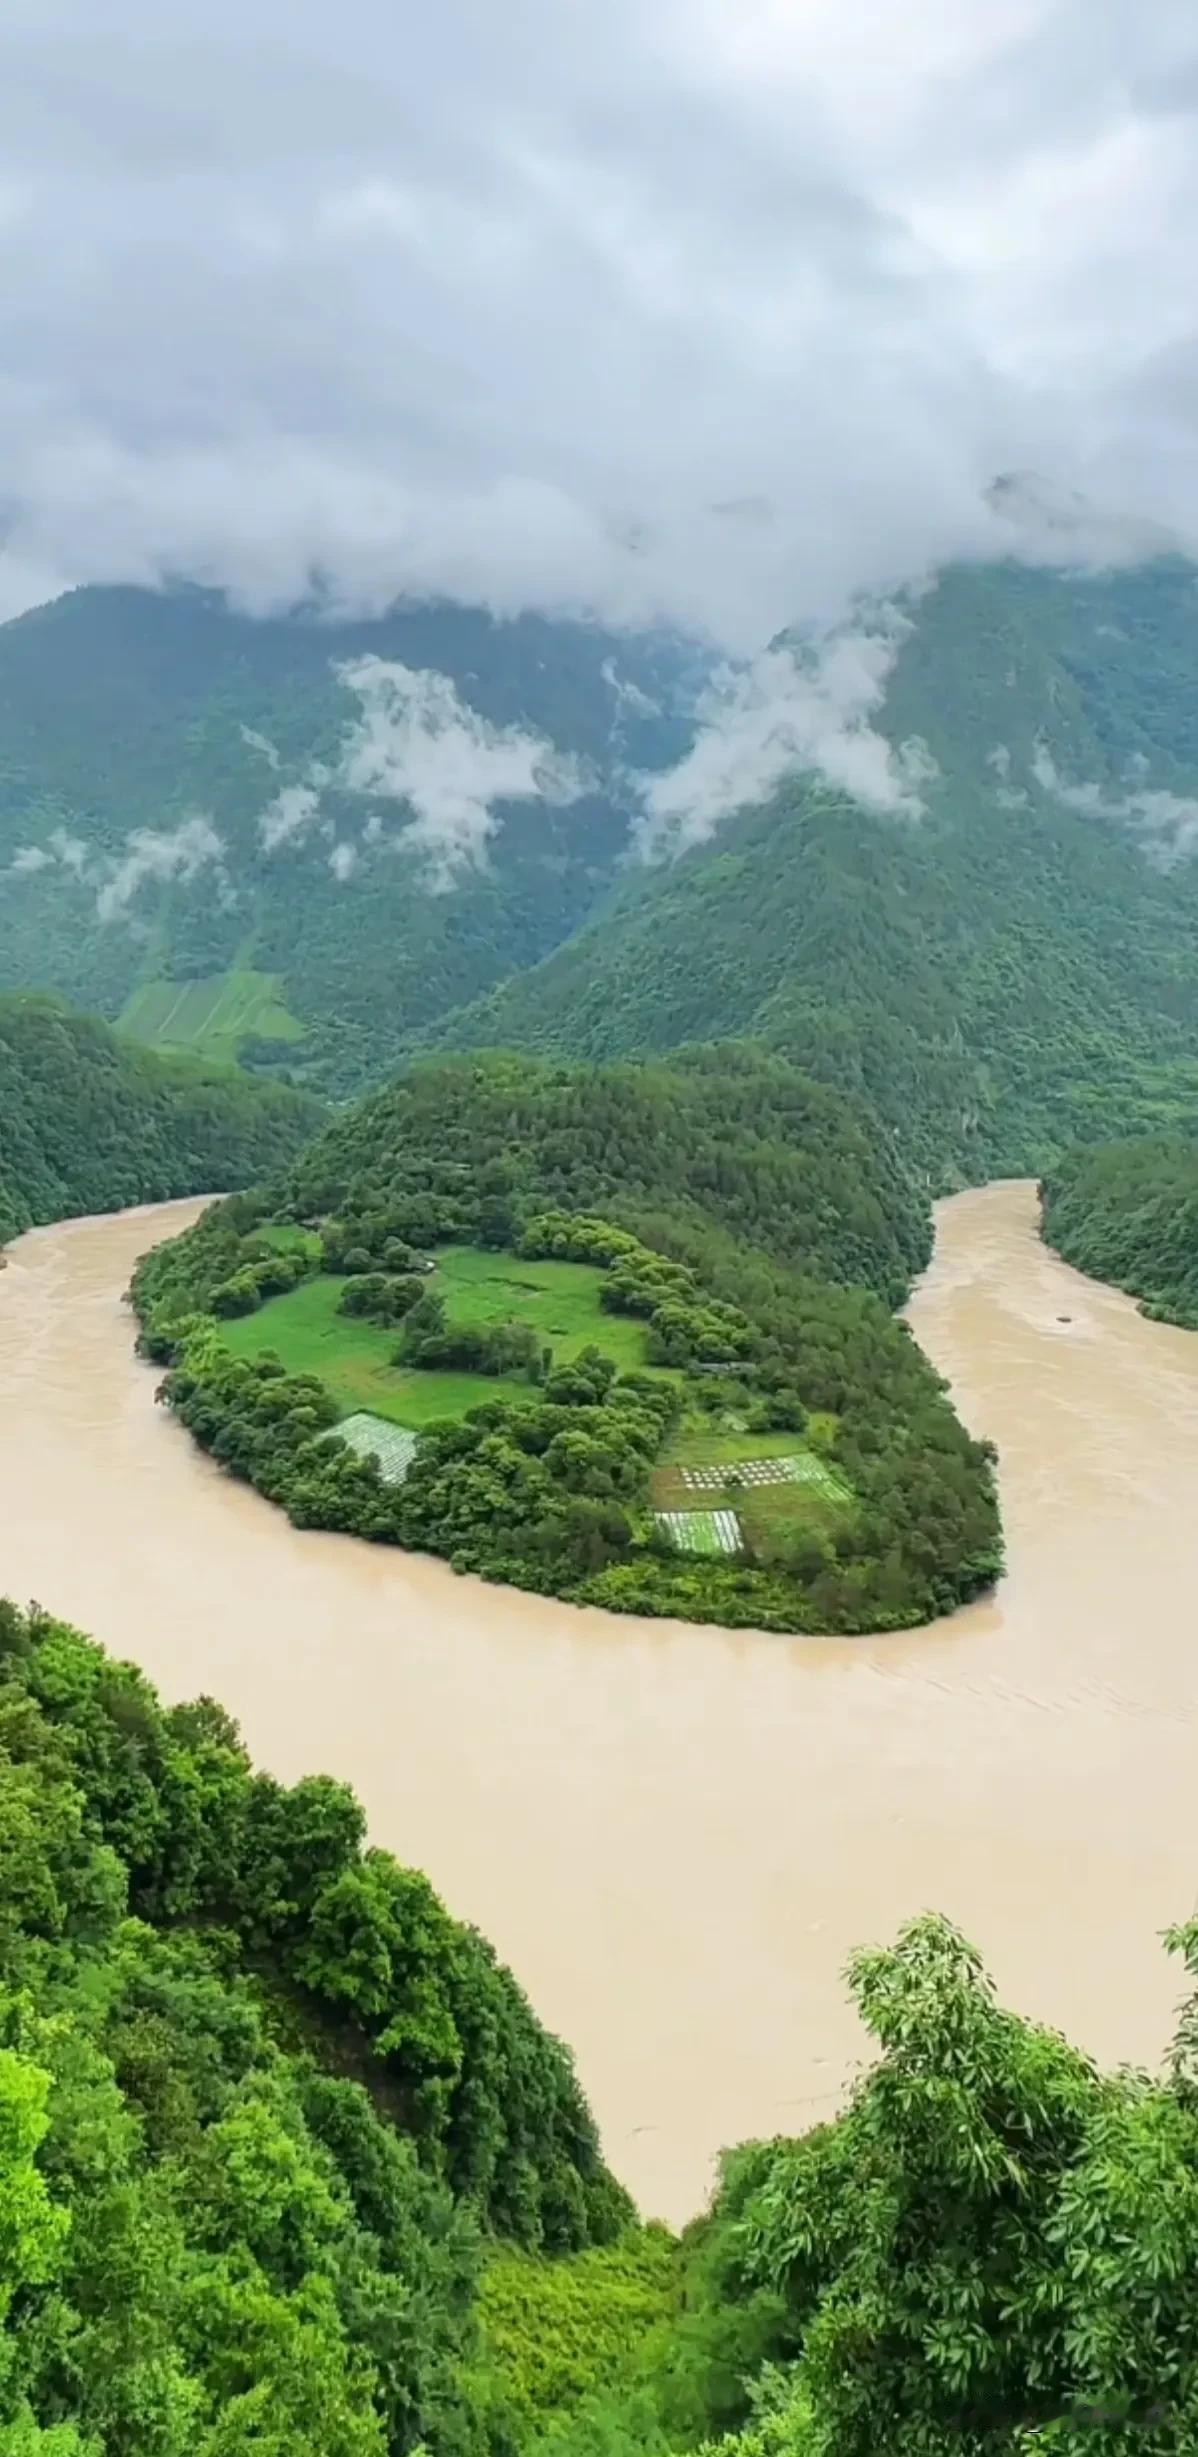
(795, 709)
(416, 742)
(289, 817)
(1166, 822)
(343, 860)
(712, 314)
(260, 743)
(161, 855)
(629, 698)
(60, 849)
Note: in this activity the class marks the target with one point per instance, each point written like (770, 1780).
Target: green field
(211, 1016)
(560, 1300)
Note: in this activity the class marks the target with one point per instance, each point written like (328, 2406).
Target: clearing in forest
(353, 1357)
(212, 1016)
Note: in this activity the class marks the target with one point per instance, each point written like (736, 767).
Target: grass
(212, 1016)
(353, 1357)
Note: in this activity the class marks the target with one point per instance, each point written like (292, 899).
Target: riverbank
(702, 1821)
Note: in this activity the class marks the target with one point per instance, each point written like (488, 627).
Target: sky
(706, 312)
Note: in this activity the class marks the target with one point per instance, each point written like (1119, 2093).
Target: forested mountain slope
(261, 2098)
(338, 829)
(88, 1123)
(1003, 974)
(1128, 1212)
(288, 2167)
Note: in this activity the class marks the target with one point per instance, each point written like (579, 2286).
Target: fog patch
(343, 860)
(262, 744)
(289, 817)
(797, 709)
(1166, 823)
(417, 742)
(161, 855)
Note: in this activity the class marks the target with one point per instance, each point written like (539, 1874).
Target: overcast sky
(715, 310)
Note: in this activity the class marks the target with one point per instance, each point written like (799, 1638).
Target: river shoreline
(699, 1822)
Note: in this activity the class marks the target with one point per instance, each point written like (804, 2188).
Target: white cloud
(794, 710)
(416, 742)
(628, 695)
(289, 817)
(262, 744)
(343, 860)
(718, 313)
(1166, 822)
(159, 855)
(69, 852)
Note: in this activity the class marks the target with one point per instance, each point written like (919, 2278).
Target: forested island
(1128, 1212)
(619, 1334)
(288, 2167)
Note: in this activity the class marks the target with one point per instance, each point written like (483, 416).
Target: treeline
(1128, 1212)
(990, 2253)
(88, 1123)
(723, 1140)
(553, 1494)
(262, 2100)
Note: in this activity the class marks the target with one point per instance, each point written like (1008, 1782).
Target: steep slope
(1006, 972)
(1128, 1212)
(279, 810)
(90, 1124)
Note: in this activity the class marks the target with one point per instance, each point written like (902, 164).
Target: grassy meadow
(211, 1016)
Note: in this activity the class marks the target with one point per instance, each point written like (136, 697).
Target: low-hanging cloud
(717, 315)
(417, 742)
(289, 818)
(61, 850)
(159, 855)
(794, 710)
(1166, 823)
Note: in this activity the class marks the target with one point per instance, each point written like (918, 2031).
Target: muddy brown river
(676, 1834)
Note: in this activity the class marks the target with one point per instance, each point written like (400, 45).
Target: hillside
(1128, 1212)
(1008, 972)
(262, 2099)
(89, 1123)
(304, 836)
(609, 1334)
(289, 2167)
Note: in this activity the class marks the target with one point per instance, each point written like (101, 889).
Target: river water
(676, 1834)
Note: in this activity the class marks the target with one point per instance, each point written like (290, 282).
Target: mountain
(1128, 1212)
(1001, 962)
(307, 836)
(88, 1123)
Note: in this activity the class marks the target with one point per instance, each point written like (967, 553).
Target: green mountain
(88, 1123)
(289, 2168)
(308, 837)
(1128, 1212)
(1008, 971)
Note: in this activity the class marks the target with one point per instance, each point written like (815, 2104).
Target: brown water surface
(676, 1834)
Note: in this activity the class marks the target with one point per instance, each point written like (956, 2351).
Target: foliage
(88, 1124)
(124, 710)
(259, 2097)
(1008, 975)
(548, 1486)
(555, 2333)
(1128, 1212)
(990, 2253)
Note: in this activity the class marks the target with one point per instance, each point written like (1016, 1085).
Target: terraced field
(212, 1016)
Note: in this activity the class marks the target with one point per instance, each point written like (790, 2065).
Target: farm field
(212, 1016)
(702, 1531)
(716, 1473)
(353, 1356)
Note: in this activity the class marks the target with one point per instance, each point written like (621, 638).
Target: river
(676, 1834)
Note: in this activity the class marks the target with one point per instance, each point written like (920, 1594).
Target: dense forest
(1001, 977)
(205, 829)
(289, 2169)
(1128, 1212)
(189, 796)
(88, 1123)
(766, 1414)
